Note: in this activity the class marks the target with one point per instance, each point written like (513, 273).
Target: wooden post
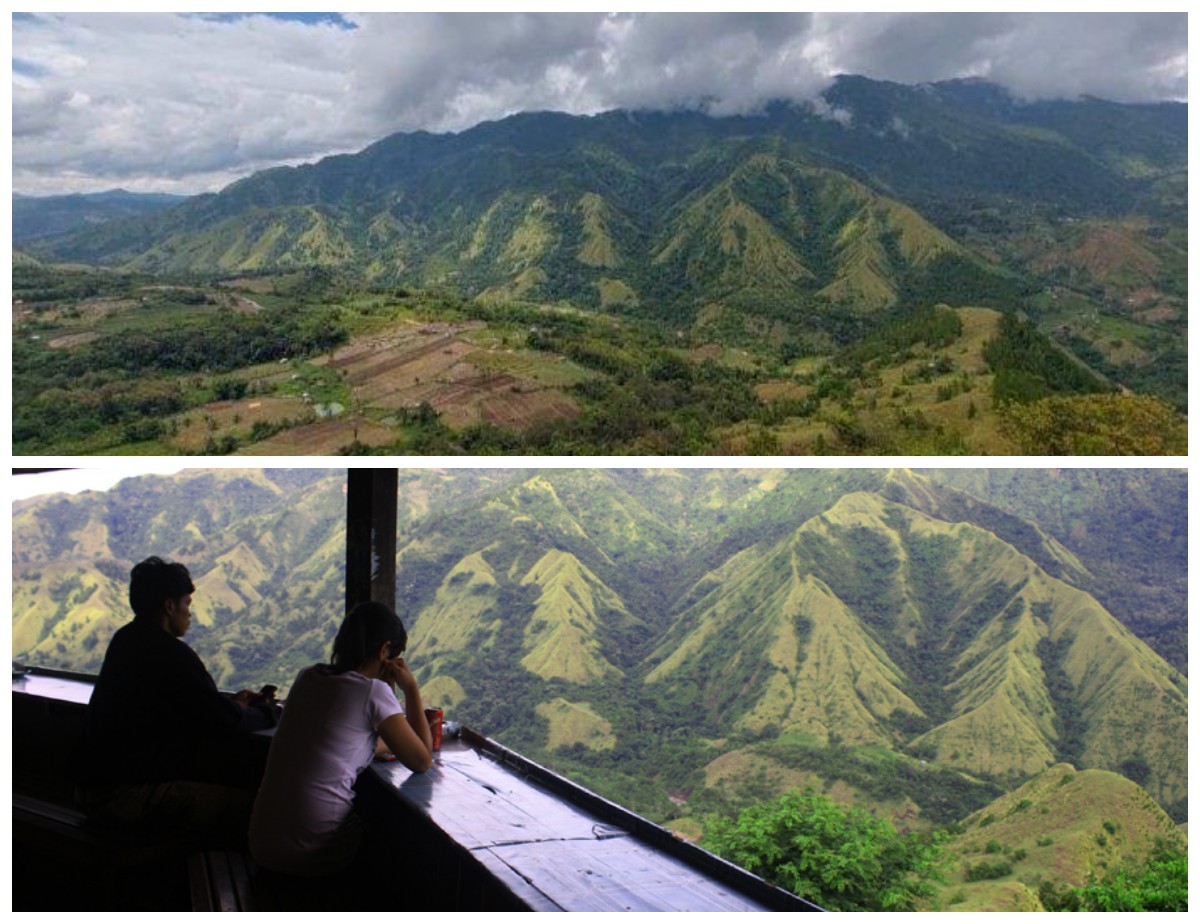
(371, 536)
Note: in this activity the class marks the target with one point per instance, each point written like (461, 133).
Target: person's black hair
(154, 581)
(365, 628)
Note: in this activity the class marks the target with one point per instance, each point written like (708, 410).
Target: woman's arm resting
(402, 741)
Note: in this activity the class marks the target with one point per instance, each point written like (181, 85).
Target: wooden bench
(42, 822)
(219, 880)
(224, 880)
(229, 880)
(66, 861)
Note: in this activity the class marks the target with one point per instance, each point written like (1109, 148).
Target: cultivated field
(365, 392)
(435, 364)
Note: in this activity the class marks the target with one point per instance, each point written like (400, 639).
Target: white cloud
(184, 103)
(822, 109)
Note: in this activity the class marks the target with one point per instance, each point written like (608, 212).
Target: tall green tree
(840, 857)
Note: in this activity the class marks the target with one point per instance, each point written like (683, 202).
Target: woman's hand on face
(397, 672)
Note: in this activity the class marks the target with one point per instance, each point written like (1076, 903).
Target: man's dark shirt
(156, 712)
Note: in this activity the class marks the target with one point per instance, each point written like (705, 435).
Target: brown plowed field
(429, 364)
(322, 438)
(505, 409)
(386, 380)
(396, 370)
(234, 417)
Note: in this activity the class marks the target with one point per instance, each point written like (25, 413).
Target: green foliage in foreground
(840, 857)
(1091, 425)
(1160, 885)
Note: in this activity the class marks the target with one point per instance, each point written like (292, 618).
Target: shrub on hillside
(840, 857)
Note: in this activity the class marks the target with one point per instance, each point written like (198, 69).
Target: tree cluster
(840, 857)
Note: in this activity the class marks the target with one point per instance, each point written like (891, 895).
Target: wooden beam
(371, 536)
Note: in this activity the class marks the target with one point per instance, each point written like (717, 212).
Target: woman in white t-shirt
(336, 716)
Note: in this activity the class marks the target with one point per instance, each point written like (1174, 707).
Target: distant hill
(691, 635)
(37, 217)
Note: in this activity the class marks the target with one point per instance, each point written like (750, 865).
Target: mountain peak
(561, 636)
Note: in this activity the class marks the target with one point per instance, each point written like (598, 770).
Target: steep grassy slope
(567, 615)
(775, 230)
(874, 620)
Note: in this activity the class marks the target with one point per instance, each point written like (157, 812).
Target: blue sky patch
(311, 19)
(27, 68)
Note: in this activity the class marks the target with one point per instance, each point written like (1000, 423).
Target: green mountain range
(758, 229)
(801, 211)
(686, 638)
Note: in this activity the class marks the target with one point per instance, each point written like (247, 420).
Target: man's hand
(246, 698)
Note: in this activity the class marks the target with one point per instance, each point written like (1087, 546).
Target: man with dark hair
(155, 741)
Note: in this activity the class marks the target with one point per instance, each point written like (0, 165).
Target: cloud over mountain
(183, 103)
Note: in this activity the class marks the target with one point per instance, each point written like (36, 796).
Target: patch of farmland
(500, 400)
(95, 308)
(257, 285)
(242, 305)
(234, 418)
(390, 380)
(402, 339)
(321, 438)
(545, 370)
(381, 365)
(67, 341)
(428, 363)
(1157, 315)
(734, 357)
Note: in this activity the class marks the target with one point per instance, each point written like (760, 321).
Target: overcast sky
(75, 480)
(187, 103)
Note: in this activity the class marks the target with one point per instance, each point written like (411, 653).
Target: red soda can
(434, 717)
